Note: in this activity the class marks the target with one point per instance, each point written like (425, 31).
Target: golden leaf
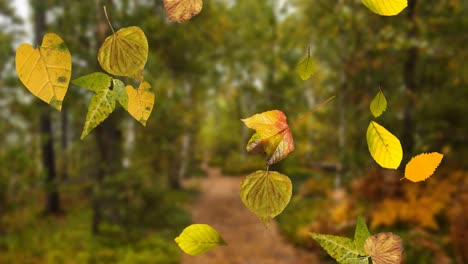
(140, 102)
(46, 70)
(422, 166)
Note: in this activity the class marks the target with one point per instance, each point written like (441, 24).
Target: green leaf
(342, 249)
(198, 239)
(384, 147)
(94, 81)
(125, 53)
(266, 193)
(378, 104)
(305, 68)
(386, 7)
(103, 101)
(120, 93)
(361, 233)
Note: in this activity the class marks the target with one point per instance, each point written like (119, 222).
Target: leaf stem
(311, 112)
(108, 21)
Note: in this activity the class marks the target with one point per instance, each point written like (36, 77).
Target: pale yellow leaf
(384, 248)
(266, 193)
(140, 102)
(198, 239)
(182, 10)
(45, 70)
(422, 166)
(125, 53)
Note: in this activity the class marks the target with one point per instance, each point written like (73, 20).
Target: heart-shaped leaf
(140, 102)
(384, 147)
(384, 248)
(45, 70)
(422, 166)
(272, 136)
(198, 239)
(125, 53)
(182, 10)
(266, 193)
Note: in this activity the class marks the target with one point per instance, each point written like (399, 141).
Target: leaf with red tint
(272, 136)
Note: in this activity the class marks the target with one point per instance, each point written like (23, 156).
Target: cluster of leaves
(386, 150)
(46, 72)
(383, 248)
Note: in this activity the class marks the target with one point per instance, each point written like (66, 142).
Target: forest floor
(249, 242)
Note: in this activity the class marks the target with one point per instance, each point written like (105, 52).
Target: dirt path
(249, 242)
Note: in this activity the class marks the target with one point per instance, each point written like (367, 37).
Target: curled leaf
(140, 102)
(197, 239)
(384, 248)
(384, 147)
(272, 136)
(386, 7)
(125, 53)
(182, 10)
(422, 166)
(266, 193)
(45, 70)
(378, 104)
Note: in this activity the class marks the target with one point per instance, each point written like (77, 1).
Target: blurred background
(126, 191)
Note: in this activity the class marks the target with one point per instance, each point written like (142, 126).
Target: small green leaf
(306, 68)
(103, 101)
(266, 193)
(94, 82)
(198, 239)
(342, 249)
(361, 233)
(384, 147)
(120, 93)
(378, 104)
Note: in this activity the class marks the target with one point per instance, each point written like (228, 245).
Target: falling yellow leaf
(384, 147)
(386, 7)
(182, 10)
(384, 248)
(45, 70)
(124, 53)
(422, 166)
(140, 102)
(197, 239)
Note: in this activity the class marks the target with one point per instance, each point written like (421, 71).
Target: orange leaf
(422, 166)
(273, 136)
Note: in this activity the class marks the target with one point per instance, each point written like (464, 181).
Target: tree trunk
(109, 143)
(52, 200)
(409, 78)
